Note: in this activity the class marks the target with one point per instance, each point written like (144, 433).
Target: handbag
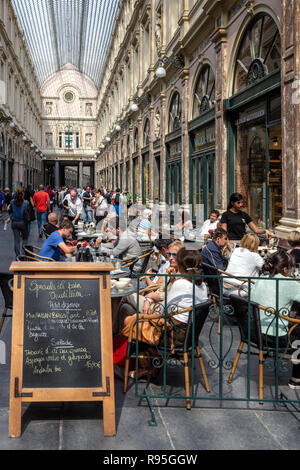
(149, 332)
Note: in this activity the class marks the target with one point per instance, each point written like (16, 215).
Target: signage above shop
(249, 116)
(205, 138)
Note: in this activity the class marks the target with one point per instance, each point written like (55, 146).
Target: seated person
(212, 253)
(210, 225)
(278, 266)
(294, 242)
(52, 224)
(128, 304)
(72, 237)
(127, 246)
(244, 262)
(185, 223)
(144, 228)
(181, 292)
(55, 243)
(161, 246)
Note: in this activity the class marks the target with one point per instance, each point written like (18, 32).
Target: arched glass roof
(58, 32)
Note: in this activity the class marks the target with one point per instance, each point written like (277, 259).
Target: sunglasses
(172, 254)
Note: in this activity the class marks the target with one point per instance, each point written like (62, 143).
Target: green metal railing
(220, 338)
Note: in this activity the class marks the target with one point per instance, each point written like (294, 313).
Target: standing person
(87, 198)
(7, 197)
(18, 224)
(60, 198)
(51, 194)
(41, 201)
(99, 204)
(28, 196)
(108, 195)
(118, 199)
(2, 201)
(234, 220)
(73, 205)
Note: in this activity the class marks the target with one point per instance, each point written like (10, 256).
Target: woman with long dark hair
(234, 220)
(19, 226)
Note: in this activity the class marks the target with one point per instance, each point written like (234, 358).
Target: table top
(121, 293)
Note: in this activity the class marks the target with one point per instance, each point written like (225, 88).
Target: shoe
(294, 385)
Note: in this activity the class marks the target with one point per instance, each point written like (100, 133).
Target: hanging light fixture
(108, 139)
(118, 128)
(12, 125)
(161, 72)
(134, 108)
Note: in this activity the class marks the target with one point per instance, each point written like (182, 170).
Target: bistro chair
(34, 255)
(7, 293)
(25, 258)
(130, 264)
(145, 257)
(264, 343)
(181, 353)
(45, 232)
(214, 285)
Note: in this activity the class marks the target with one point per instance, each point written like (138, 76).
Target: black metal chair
(145, 257)
(264, 343)
(7, 294)
(214, 285)
(181, 352)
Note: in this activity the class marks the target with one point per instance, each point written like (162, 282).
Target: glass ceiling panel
(58, 32)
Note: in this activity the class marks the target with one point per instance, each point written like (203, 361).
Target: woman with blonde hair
(244, 262)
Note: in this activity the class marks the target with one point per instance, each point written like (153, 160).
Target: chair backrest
(4, 286)
(25, 258)
(243, 308)
(145, 257)
(213, 283)
(130, 264)
(201, 313)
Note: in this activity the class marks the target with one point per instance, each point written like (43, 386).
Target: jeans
(20, 230)
(87, 215)
(41, 220)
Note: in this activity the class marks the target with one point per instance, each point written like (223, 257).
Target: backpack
(117, 199)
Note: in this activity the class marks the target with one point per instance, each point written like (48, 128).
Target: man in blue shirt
(55, 243)
(212, 253)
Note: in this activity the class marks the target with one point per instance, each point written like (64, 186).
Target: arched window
(259, 53)
(128, 146)
(2, 143)
(9, 149)
(136, 140)
(204, 93)
(175, 113)
(146, 138)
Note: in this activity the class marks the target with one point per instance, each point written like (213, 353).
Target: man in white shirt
(73, 204)
(210, 224)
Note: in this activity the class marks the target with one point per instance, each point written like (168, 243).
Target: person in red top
(42, 204)
(51, 196)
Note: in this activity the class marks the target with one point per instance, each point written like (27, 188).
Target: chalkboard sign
(62, 341)
(61, 338)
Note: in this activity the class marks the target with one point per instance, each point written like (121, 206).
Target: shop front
(146, 176)
(202, 168)
(135, 177)
(254, 123)
(174, 168)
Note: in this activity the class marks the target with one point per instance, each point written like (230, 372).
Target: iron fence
(233, 321)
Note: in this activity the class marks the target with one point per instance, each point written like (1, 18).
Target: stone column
(80, 174)
(163, 175)
(185, 163)
(290, 118)
(220, 40)
(56, 174)
(151, 155)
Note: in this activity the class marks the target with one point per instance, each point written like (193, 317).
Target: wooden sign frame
(18, 395)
